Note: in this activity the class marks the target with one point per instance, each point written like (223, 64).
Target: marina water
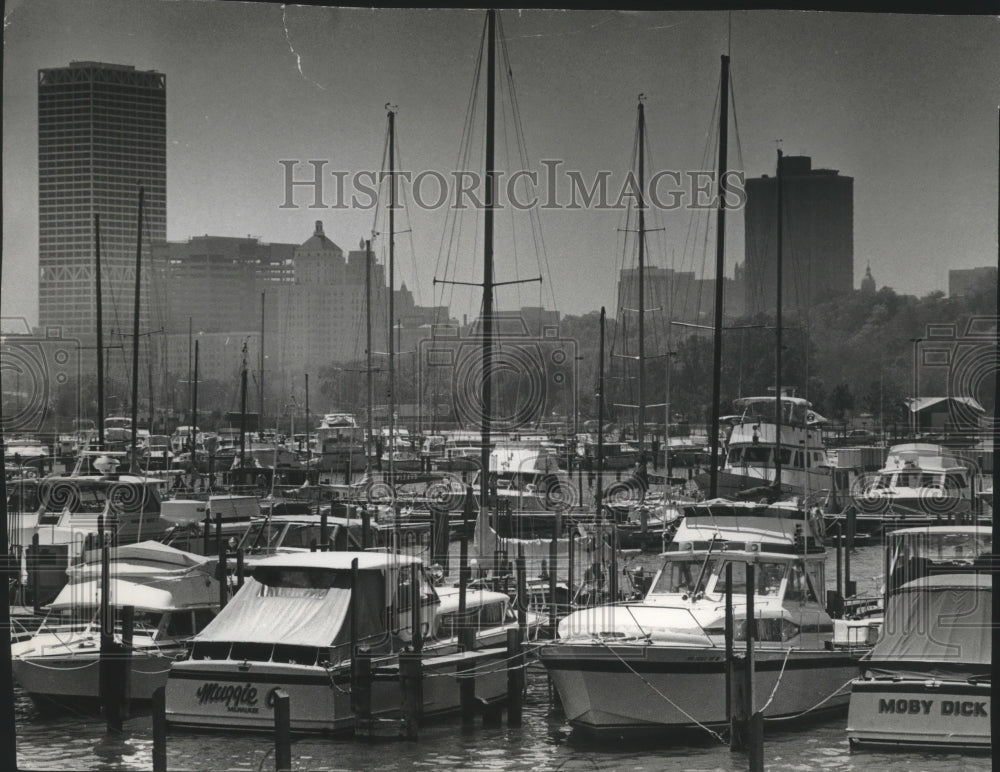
(544, 742)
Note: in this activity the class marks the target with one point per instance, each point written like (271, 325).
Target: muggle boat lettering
(964, 708)
(237, 699)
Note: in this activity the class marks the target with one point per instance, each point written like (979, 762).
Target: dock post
(282, 731)
(240, 568)
(160, 729)
(223, 569)
(756, 744)
(522, 592)
(411, 683)
(850, 588)
(570, 561)
(36, 574)
(553, 586)
(515, 677)
(324, 530)
(732, 702)
(125, 660)
(206, 535)
(467, 683)
(753, 739)
(366, 526)
(361, 692)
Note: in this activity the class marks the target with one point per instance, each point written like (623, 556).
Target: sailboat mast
(243, 412)
(600, 419)
(100, 332)
(135, 333)
(194, 409)
(642, 283)
(392, 299)
(720, 266)
(487, 315)
(777, 347)
(369, 375)
(260, 425)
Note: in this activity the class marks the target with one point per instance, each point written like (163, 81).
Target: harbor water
(544, 742)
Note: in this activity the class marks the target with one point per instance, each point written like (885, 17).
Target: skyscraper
(818, 246)
(102, 132)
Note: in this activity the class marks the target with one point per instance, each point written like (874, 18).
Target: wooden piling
(223, 568)
(515, 677)
(206, 539)
(240, 568)
(748, 691)
(36, 574)
(125, 660)
(732, 711)
(416, 617)
(755, 746)
(324, 529)
(553, 585)
(361, 691)
(282, 731)
(467, 683)
(160, 729)
(411, 685)
(366, 526)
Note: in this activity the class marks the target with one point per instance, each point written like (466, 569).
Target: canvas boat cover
(938, 620)
(279, 613)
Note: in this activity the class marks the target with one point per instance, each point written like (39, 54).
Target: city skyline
(917, 108)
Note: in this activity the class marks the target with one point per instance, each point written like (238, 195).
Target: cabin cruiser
(927, 681)
(290, 627)
(920, 484)
(660, 663)
(750, 458)
(174, 595)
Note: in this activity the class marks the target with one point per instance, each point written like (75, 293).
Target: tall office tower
(818, 246)
(102, 132)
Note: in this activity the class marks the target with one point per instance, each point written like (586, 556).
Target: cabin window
(767, 578)
(202, 617)
(255, 652)
(679, 576)
(798, 459)
(757, 455)
(180, 625)
(404, 591)
(295, 655)
(786, 456)
(210, 650)
(954, 481)
(800, 588)
(300, 582)
(917, 480)
(735, 456)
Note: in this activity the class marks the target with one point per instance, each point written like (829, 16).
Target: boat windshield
(768, 578)
(679, 576)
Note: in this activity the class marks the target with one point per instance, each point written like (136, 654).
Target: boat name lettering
(923, 707)
(237, 699)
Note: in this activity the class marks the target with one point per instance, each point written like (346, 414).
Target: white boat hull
(924, 713)
(627, 689)
(56, 680)
(225, 694)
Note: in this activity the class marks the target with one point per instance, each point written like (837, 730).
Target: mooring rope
(829, 697)
(777, 683)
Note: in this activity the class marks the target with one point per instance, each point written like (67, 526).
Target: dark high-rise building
(102, 132)
(818, 245)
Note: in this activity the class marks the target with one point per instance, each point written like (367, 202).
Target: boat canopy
(309, 606)
(944, 619)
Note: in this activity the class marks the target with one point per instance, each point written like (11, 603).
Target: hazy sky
(906, 105)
